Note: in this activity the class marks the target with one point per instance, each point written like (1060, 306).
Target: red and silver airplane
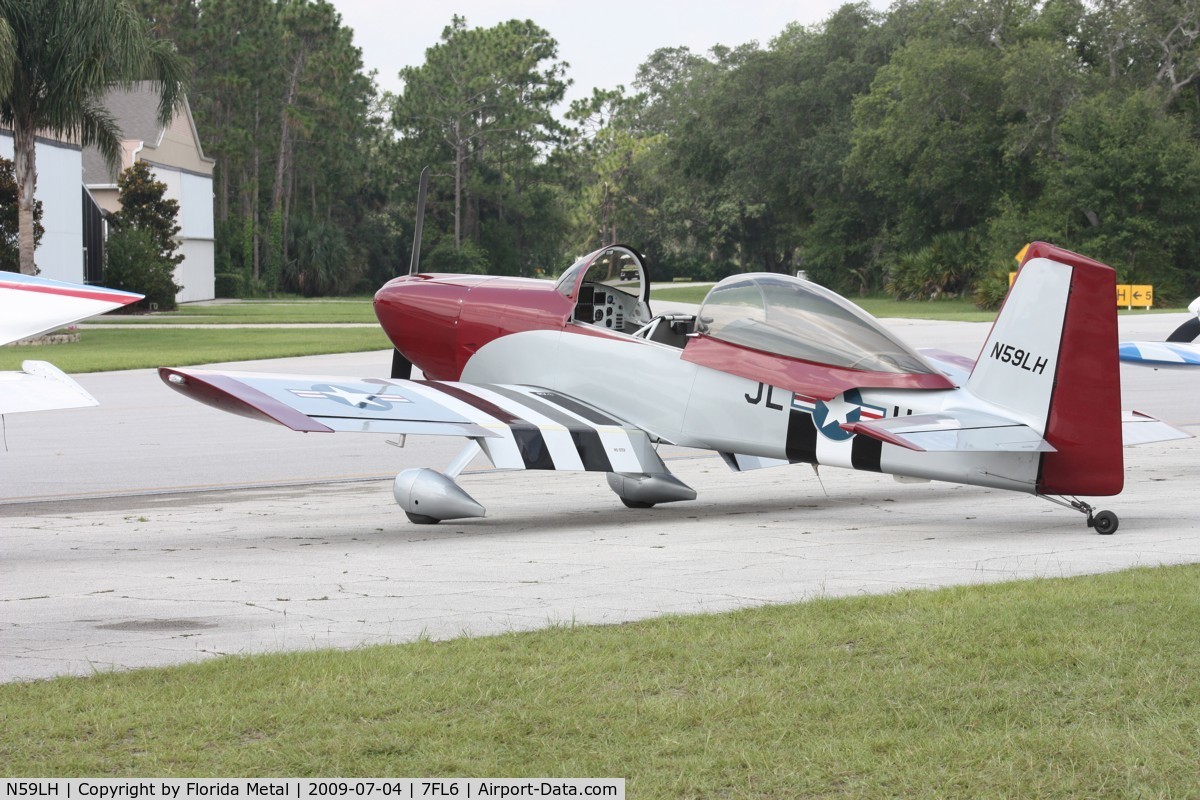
(30, 306)
(580, 374)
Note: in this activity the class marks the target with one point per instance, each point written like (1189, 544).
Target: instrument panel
(603, 306)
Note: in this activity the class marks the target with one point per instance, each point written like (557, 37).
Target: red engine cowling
(439, 321)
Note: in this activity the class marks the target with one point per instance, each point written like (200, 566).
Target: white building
(60, 254)
(176, 158)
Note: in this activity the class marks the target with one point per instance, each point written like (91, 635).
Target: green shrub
(946, 267)
(145, 207)
(135, 263)
(229, 284)
(468, 258)
(323, 262)
(992, 288)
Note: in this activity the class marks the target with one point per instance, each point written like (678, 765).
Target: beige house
(177, 159)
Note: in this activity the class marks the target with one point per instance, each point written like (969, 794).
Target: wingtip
(229, 394)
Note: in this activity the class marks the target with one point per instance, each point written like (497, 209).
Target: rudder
(1051, 359)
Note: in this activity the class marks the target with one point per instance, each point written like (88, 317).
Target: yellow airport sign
(1136, 294)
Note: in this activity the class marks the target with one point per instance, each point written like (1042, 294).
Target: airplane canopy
(610, 288)
(797, 319)
(617, 266)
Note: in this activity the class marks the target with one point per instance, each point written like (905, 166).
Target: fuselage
(521, 331)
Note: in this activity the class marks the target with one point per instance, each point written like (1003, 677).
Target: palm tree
(8, 54)
(57, 60)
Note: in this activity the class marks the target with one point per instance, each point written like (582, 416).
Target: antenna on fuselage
(401, 366)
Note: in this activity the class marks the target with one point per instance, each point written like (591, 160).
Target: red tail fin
(1084, 422)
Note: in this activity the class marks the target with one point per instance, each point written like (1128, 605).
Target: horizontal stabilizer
(957, 432)
(40, 386)
(1145, 429)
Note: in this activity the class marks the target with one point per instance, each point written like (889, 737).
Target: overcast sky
(604, 42)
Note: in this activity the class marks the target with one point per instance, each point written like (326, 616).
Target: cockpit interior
(611, 289)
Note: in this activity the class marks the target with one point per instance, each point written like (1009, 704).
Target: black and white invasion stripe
(541, 429)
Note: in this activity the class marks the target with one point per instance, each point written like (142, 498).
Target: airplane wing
(958, 431)
(1161, 355)
(30, 305)
(40, 386)
(517, 427)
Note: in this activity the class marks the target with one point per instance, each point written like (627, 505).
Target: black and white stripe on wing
(501, 449)
(530, 443)
(588, 447)
(543, 430)
(628, 447)
(593, 415)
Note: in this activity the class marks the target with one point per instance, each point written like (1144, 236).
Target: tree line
(913, 150)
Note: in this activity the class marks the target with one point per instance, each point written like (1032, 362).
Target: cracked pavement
(205, 563)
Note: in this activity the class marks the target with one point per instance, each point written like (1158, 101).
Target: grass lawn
(316, 312)
(954, 309)
(361, 310)
(1080, 687)
(128, 348)
(679, 294)
(103, 350)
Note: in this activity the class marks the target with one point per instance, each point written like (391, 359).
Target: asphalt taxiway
(152, 530)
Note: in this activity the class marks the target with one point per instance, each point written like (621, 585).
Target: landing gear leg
(1104, 523)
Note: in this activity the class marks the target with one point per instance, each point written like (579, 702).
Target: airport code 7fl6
(310, 788)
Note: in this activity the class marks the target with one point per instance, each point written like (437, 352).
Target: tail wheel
(1105, 523)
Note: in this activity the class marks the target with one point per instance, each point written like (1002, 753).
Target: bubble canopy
(797, 319)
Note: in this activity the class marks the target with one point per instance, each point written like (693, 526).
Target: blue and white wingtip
(1161, 355)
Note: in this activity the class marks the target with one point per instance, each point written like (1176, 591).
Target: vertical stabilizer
(1052, 361)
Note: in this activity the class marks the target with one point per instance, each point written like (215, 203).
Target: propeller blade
(401, 366)
(1186, 332)
(416, 251)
